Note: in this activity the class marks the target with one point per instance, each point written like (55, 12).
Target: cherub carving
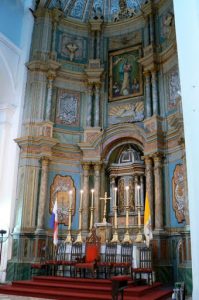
(72, 48)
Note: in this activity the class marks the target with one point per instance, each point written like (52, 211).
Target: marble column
(98, 44)
(112, 186)
(56, 16)
(97, 168)
(49, 96)
(151, 24)
(158, 191)
(136, 190)
(97, 100)
(148, 94)
(85, 204)
(149, 183)
(142, 191)
(155, 92)
(42, 195)
(89, 105)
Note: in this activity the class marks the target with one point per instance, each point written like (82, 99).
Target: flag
(147, 222)
(54, 223)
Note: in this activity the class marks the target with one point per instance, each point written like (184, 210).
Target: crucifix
(105, 202)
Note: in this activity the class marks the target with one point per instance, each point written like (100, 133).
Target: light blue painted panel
(174, 222)
(77, 183)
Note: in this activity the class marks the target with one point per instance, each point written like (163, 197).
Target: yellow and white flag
(147, 222)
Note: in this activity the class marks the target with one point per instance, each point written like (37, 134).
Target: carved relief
(179, 193)
(173, 88)
(59, 190)
(126, 113)
(167, 27)
(68, 108)
(72, 48)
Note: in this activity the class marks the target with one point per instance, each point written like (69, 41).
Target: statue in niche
(179, 193)
(72, 48)
(168, 23)
(59, 190)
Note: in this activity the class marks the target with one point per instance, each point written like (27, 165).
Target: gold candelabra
(115, 238)
(127, 238)
(68, 238)
(139, 237)
(79, 236)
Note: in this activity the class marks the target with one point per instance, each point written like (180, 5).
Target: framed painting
(125, 74)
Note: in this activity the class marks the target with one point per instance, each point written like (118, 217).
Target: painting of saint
(125, 74)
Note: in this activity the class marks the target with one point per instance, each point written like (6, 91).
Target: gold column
(97, 168)
(85, 204)
(158, 191)
(42, 194)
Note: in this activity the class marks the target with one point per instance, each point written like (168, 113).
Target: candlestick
(115, 196)
(138, 195)
(70, 198)
(79, 236)
(139, 237)
(81, 197)
(92, 197)
(127, 195)
(115, 238)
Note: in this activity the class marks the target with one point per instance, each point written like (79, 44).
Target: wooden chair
(109, 258)
(92, 255)
(125, 260)
(75, 256)
(40, 268)
(145, 265)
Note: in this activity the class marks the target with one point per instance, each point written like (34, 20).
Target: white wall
(13, 57)
(187, 30)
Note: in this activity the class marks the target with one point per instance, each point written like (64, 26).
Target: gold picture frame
(125, 74)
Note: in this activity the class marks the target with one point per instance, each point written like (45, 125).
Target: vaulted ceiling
(83, 10)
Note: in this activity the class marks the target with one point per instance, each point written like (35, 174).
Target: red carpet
(62, 288)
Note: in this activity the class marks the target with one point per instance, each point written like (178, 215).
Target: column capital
(45, 160)
(146, 73)
(97, 165)
(147, 159)
(86, 166)
(51, 75)
(157, 157)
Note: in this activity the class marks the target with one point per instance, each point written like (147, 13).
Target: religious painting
(68, 105)
(179, 193)
(125, 74)
(125, 113)
(59, 190)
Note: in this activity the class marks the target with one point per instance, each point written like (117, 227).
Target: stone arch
(122, 134)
